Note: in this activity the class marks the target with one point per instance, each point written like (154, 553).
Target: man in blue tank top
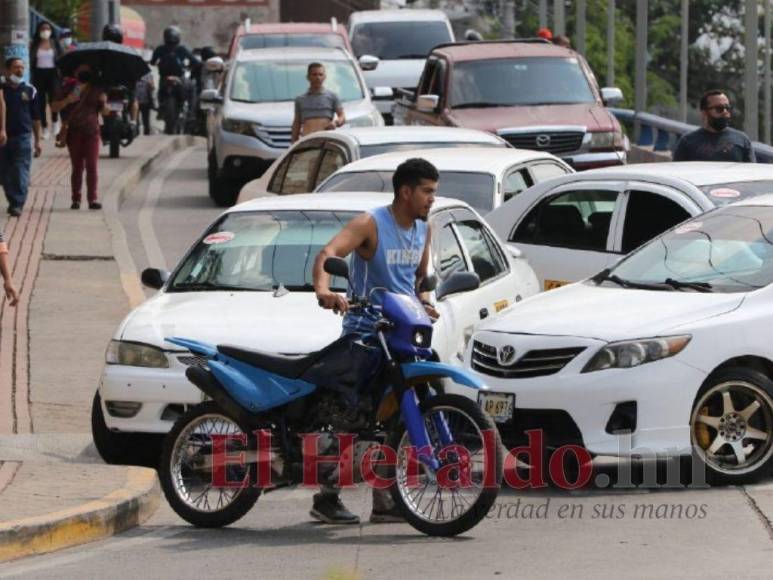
(391, 250)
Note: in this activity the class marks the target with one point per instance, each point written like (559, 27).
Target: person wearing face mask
(44, 50)
(22, 132)
(81, 101)
(715, 140)
(66, 40)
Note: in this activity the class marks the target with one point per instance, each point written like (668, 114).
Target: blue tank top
(393, 265)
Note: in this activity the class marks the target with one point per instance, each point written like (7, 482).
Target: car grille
(559, 141)
(192, 360)
(535, 363)
(278, 137)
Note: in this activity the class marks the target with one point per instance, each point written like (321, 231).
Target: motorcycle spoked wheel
(171, 116)
(448, 509)
(186, 474)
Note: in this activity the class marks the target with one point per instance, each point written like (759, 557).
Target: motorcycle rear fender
(428, 370)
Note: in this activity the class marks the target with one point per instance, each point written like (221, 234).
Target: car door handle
(483, 313)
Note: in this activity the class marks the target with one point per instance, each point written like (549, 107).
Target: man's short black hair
(705, 98)
(314, 65)
(411, 171)
(9, 61)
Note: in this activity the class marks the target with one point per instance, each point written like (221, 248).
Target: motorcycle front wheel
(170, 115)
(186, 472)
(456, 497)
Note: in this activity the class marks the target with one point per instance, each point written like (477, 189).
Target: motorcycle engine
(334, 410)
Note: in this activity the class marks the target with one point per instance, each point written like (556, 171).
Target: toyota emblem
(543, 140)
(506, 356)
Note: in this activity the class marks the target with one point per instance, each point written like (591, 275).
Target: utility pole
(610, 43)
(559, 17)
(103, 12)
(508, 22)
(684, 61)
(766, 100)
(580, 28)
(543, 13)
(751, 80)
(640, 86)
(14, 31)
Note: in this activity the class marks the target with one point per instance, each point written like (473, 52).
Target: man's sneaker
(390, 516)
(14, 211)
(329, 508)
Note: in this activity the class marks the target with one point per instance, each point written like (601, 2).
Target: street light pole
(14, 31)
(543, 13)
(751, 81)
(684, 61)
(640, 100)
(559, 17)
(766, 99)
(610, 43)
(103, 12)
(580, 33)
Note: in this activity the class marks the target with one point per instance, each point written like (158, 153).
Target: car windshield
(398, 40)
(370, 150)
(270, 81)
(477, 189)
(249, 41)
(259, 251)
(724, 193)
(519, 81)
(727, 250)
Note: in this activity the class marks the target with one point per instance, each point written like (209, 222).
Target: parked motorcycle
(117, 129)
(448, 461)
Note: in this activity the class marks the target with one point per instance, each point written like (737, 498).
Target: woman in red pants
(81, 102)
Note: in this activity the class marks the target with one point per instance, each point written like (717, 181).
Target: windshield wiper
(481, 105)
(211, 286)
(605, 276)
(410, 56)
(697, 286)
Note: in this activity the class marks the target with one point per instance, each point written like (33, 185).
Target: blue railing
(661, 134)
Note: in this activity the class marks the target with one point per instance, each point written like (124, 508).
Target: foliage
(61, 12)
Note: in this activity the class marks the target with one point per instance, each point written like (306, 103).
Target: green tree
(61, 12)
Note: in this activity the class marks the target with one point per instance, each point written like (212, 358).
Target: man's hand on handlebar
(333, 301)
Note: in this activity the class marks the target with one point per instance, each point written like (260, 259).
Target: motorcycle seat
(289, 366)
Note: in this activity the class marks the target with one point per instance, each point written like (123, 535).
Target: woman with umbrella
(81, 101)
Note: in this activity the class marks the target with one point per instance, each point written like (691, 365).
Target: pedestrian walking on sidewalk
(22, 130)
(5, 272)
(81, 101)
(715, 140)
(44, 50)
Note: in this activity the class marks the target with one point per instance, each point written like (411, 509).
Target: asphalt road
(548, 533)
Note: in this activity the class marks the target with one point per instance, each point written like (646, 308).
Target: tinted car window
(249, 41)
(647, 215)
(398, 40)
(369, 150)
(486, 259)
(477, 189)
(448, 255)
(520, 81)
(577, 220)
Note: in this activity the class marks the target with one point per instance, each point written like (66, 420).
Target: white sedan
(571, 227)
(667, 351)
(481, 176)
(248, 282)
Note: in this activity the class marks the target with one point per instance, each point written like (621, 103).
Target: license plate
(499, 406)
(115, 106)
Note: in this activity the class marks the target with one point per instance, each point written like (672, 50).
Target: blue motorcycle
(386, 387)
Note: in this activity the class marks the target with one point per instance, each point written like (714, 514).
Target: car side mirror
(215, 64)
(210, 96)
(427, 103)
(428, 283)
(368, 62)
(456, 283)
(514, 251)
(154, 278)
(337, 267)
(611, 95)
(382, 92)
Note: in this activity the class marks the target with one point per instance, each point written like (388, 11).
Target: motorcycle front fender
(427, 370)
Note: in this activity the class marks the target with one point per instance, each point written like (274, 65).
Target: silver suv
(251, 123)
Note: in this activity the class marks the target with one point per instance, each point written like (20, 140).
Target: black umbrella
(114, 64)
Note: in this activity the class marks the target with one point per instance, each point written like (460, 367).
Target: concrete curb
(116, 512)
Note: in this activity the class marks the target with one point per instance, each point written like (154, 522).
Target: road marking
(145, 220)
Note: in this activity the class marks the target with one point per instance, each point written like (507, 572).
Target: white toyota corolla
(248, 282)
(668, 350)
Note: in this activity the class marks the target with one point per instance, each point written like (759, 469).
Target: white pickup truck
(392, 46)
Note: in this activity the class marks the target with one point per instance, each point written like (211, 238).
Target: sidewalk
(75, 287)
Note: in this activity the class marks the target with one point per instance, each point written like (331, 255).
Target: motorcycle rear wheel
(422, 500)
(186, 474)
(171, 116)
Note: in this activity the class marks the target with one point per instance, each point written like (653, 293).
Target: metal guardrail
(662, 134)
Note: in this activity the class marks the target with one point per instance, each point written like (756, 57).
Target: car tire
(117, 448)
(731, 426)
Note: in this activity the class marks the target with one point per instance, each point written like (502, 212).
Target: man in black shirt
(716, 140)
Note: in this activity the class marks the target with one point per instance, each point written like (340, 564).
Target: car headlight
(632, 353)
(238, 126)
(422, 337)
(373, 119)
(606, 140)
(135, 354)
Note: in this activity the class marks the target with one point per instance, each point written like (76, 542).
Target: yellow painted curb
(114, 513)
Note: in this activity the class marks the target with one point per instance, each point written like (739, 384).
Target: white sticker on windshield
(725, 192)
(219, 238)
(687, 228)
